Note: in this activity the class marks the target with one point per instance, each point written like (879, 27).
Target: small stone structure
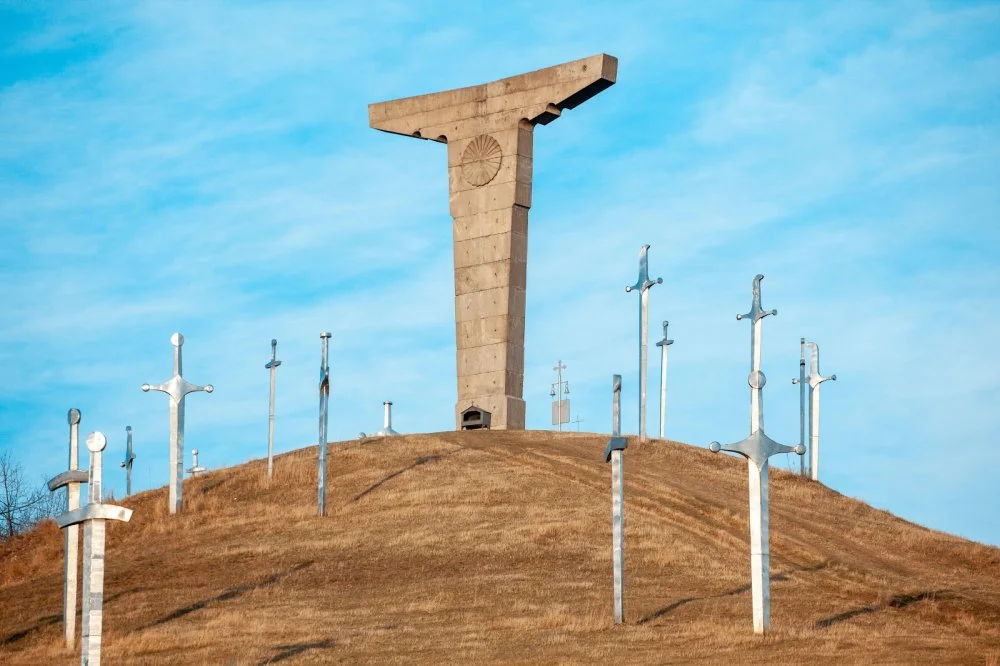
(474, 418)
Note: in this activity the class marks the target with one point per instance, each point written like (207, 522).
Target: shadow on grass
(898, 601)
(50, 620)
(295, 649)
(422, 460)
(229, 594)
(743, 589)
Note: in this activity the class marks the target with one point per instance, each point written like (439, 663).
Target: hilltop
(496, 546)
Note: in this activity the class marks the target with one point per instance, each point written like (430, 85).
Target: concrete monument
(489, 130)
(71, 478)
(93, 517)
(757, 448)
(271, 365)
(663, 344)
(643, 285)
(613, 454)
(129, 458)
(324, 400)
(177, 388)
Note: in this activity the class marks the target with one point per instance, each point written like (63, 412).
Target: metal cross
(814, 379)
(324, 399)
(195, 468)
(271, 365)
(127, 463)
(72, 478)
(177, 387)
(663, 344)
(757, 448)
(643, 284)
(93, 516)
(613, 454)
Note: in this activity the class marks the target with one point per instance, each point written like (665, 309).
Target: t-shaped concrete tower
(489, 130)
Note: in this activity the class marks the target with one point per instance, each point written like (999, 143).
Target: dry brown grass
(496, 546)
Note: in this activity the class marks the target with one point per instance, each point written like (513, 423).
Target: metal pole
(324, 398)
(559, 367)
(72, 535)
(663, 344)
(613, 453)
(271, 365)
(129, 457)
(643, 284)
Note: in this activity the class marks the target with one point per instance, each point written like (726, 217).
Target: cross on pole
(757, 448)
(643, 285)
(613, 454)
(177, 388)
(93, 517)
(324, 399)
(557, 391)
(814, 379)
(127, 463)
(577, 421)
(663, 344)
(271, 365)
(72, 478)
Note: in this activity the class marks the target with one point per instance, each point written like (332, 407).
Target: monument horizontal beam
(538, 97)
(68, 477)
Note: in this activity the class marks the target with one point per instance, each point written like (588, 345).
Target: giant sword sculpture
(663, 344)
(613, 454)
(271, 365)
(324, 400)
(757, 448)
(489, 130)
(71, 478)
(643, 285)
(177, 388)
(93, 516)
(129, 458)
(814, 379)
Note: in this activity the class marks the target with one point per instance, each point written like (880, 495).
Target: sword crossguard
(758, 447)
(273, 363)
(756, 312)
(814, 378)
(643, 283)
(177, 387)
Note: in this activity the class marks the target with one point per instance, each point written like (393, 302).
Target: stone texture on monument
(489, 130)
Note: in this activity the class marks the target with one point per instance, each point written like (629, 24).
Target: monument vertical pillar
(489, 130)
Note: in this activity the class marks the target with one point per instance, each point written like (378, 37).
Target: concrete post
(177, 388)
(643, 285)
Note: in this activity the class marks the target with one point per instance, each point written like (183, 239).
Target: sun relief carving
(481, 160)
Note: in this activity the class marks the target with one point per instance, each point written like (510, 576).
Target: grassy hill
(496, 546)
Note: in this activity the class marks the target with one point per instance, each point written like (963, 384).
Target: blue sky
(207, 167)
